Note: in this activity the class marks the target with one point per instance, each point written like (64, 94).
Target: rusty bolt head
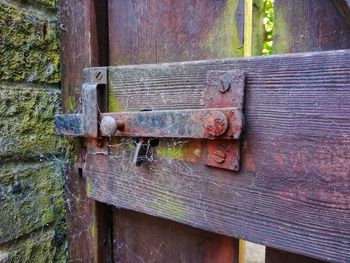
(98, 75)
(219, 156)
(109, 126)
(225, 83)
(215, 124)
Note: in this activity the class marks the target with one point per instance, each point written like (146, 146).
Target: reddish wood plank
(343, 7)
(153, 31)
(156, 31)
(149, 242)
(292, 192)
(309, 25)
(81, 37)
(277, 256)
(306, 26)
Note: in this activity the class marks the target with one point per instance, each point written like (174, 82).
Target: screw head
(98, 75)
(225, 83)
(215, 124)
(219, 156)
(109, 126)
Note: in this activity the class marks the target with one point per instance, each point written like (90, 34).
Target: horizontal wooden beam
(292, 191)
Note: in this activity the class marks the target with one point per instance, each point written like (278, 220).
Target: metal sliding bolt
(215, 124)
(109, 126)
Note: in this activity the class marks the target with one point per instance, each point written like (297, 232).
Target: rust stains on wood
(165, 31)
(295, 154)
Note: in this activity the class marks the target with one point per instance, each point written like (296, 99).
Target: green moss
(173, 152)
(31, 195)
(281, 33)
(93, 231)
(43, 246)
(51, 4)
(113, 104)
(70, 105)
(30, 192)
(88, 186)
(29, 48)
(26, 122)
(164, 205)
(223, 38)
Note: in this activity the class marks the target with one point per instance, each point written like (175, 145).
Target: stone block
(45, 246)
(31, 197)
(26, 122)
(29, 48)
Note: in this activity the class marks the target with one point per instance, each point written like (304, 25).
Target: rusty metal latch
(220, 122)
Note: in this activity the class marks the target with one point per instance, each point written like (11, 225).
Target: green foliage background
(268, 23)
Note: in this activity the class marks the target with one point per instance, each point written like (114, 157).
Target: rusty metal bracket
(225, 89)
(85, 124)
(221, 122)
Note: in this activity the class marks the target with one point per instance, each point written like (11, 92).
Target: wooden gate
(287, 182)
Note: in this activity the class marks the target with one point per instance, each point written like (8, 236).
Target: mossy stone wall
(32, 225)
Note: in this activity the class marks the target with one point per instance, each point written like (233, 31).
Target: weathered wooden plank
(292, 191)
(141, 242)
(278, 256)
(156, 31)
(258, 30)
(83, 44)
(153, 31)
(309, 25)
(343, 7)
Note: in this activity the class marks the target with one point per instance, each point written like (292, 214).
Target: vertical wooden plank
(248, 27)
(150, 239)
(83, 40)
(253, 40)
(258, 30)
(253, 45)
(278, 256)
(309, 25)
(154, 31)
(343, 7)
(300, 26)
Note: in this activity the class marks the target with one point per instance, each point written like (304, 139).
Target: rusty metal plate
(93, 100)
(223, 154)
(85, 123)
(69, 124)
(221, 123)
(224, 89)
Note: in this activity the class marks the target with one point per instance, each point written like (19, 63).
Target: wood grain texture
(258, 32)
(142, 242)
(343, 7)
(309, 25)
(151, 31)
(80, 40)
(278, 256)
(155, 31)
(292, 192)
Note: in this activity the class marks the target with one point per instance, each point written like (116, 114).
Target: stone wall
(31, 156)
